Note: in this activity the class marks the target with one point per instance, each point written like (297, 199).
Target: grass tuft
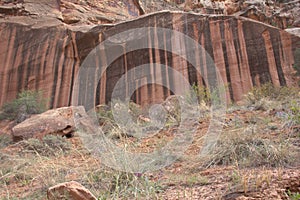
(250, 150)
(50, 145)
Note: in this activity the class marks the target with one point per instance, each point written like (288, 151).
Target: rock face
(73, 11)
(45, 54)
(69, 190)
(58, 121)
(282, 14)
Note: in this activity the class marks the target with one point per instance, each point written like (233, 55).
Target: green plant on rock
(293, 195)
(27, 102)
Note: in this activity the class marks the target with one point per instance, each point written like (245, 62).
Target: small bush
(5, 140)
(27, 103)
(203, 94)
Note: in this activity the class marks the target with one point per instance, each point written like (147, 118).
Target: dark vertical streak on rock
(11, 71)
(91, 84)
(200, 31)
(29, 65)
(55, 75)
(9, 30)
(80, 80)
(26, 66)
(47, 52)
(222, 29)
(153, 86)
(114, 71)
(163, 62)
(38, 67)
(190, 51)
(168, 46)
(211, 72)
(20, 69)
(98, 83)
(63, 73)
(73, 75)
(233, 26)
(256, 52)
(276, 43)
(138, 89)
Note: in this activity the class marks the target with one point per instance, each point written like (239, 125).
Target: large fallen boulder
(69, 190)
(58, 121)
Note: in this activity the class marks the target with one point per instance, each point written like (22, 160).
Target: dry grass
(250, 150)
(38, 165)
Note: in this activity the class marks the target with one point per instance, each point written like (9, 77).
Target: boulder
(69, 190)
(58, 121)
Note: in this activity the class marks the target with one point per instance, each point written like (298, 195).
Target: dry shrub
(250, 150)
(5, 140)
(50, 145)
(269, 91)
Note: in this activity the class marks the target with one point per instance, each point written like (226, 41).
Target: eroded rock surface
(79, 12)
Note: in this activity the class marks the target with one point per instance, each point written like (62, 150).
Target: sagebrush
(27, 102)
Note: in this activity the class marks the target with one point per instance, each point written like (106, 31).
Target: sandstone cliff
(44, 43)
(46, 57)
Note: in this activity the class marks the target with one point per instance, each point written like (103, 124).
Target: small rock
(69, 190)
(71, 17)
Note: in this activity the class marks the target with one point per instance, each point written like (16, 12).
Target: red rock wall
(48, 57)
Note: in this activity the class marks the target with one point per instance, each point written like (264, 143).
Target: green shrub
(28, 102)
(202, 93)
(293, 195)
(104, 115)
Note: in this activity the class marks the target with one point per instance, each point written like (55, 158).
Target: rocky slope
(43, 45)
